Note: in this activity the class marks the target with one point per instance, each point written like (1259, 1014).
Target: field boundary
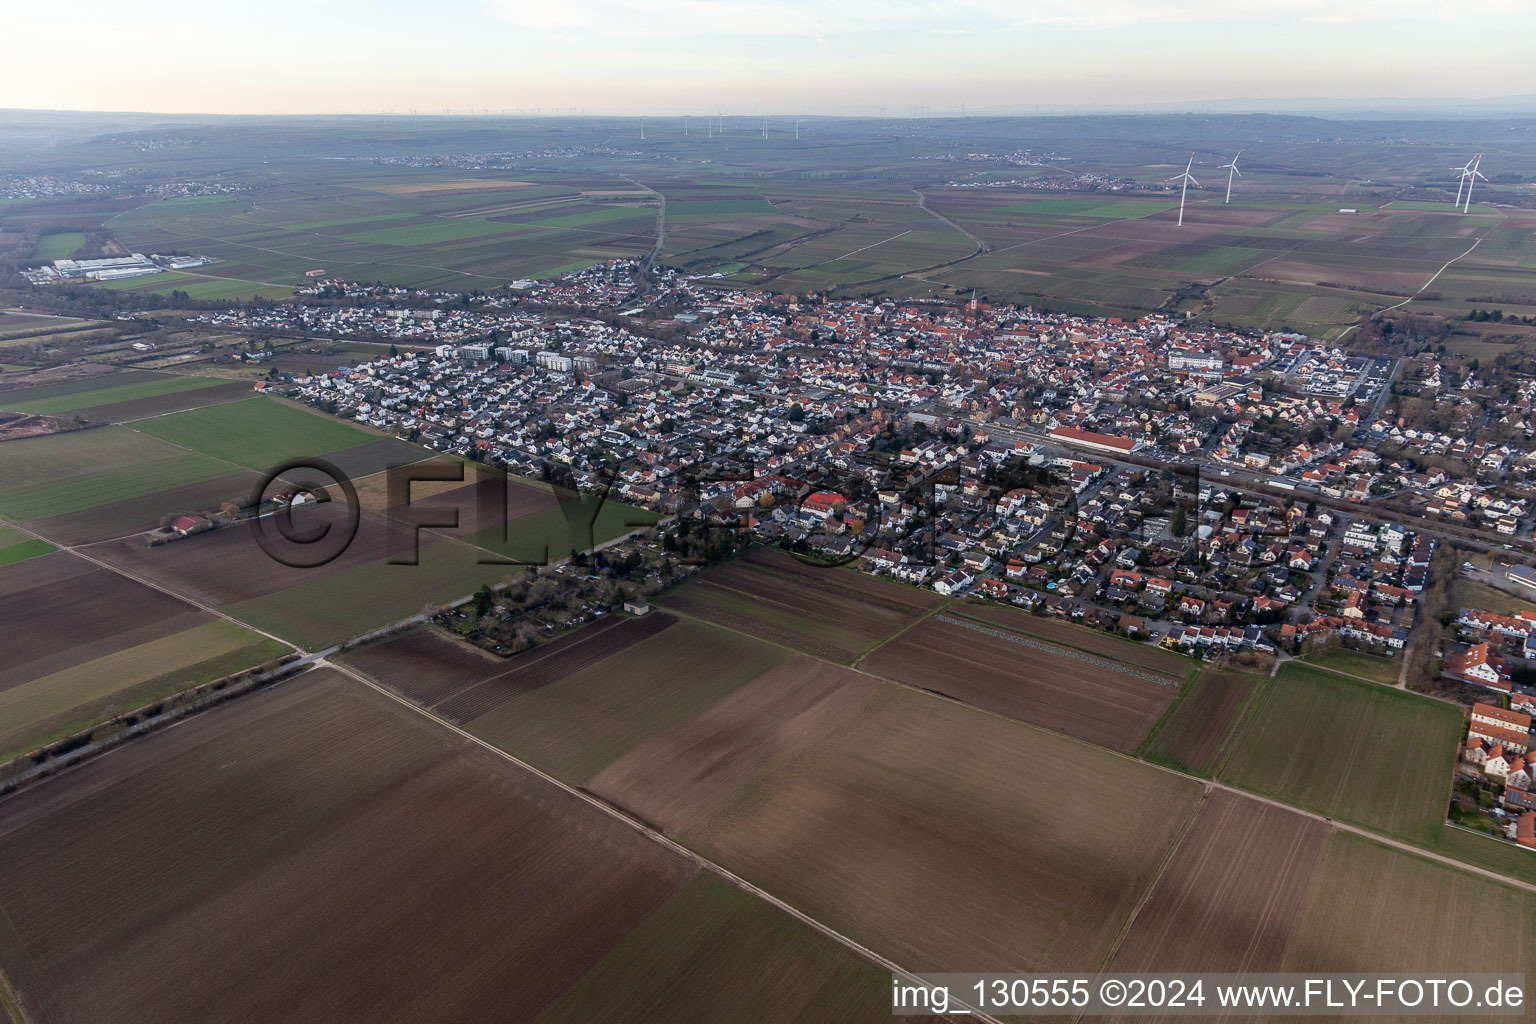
(1151, 889)
(1193, 670)
(651, 833)
(903, 631)
(1087, 657)
(1210, 784)
(72, 751)
(10, 1002)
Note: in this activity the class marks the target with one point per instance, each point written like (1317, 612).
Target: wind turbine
(1231, 169)
(1472, 177)
(1465, 171)
(1186, 179)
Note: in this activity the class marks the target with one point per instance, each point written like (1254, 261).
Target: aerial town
(603, 515)
(1237, 495)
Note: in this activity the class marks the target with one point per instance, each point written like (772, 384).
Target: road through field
(655, 836)
(1426, 284)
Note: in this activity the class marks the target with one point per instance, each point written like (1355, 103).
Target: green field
(59, 245)
(257, 433)
(63, 702)
(109, 394)
(21, 550)
(337, 605)
(69, 472)
(88, 490)
(16, 546)
(1358, 663)
(1356, 751)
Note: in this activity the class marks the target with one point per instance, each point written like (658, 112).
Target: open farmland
(328, 607)
(1092, 698)
(575, 726)
(1371, 905)
(1255, 887)
(130, 515)
(564, 657)
(1315, 741)
(677, 777)
(461, 682)
(227, 566)
(715, 953)
(1194, 733)
(130, 644)
(833, 613)
(219, 848)
(257, 433)
(113, 402)
(1084, 638)
(1270, 257)
(388, 227)
(1231, 897)
(16, 546)
(935, 835)
(247, 851)
(71, 472)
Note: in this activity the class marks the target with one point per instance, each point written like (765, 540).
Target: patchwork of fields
(1357, 751)
(899, 819)
(212, 849)
(419, 232)
(105, 487)
(1261, 262)
(837, 614)
(129, 645)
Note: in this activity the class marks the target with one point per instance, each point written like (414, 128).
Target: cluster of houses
(1495, 639)
(1498, 752)
(1152, 385)
(737, 406)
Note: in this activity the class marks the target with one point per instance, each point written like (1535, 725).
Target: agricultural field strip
(1049, 648)
(234, 467)
(649, 832)
(1432, 278)
(1209, 784)
(1132, 648)
(79, 552)
(1174, 849)
(533, 227)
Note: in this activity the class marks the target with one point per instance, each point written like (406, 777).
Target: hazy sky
(802, 56)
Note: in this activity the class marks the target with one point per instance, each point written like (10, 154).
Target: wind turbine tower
(1186, 179)
(642, 129)
(1463, 173)
(1472, 177)
(797, 129)
(1231, 169)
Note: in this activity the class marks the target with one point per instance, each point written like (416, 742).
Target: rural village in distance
(656, 566)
